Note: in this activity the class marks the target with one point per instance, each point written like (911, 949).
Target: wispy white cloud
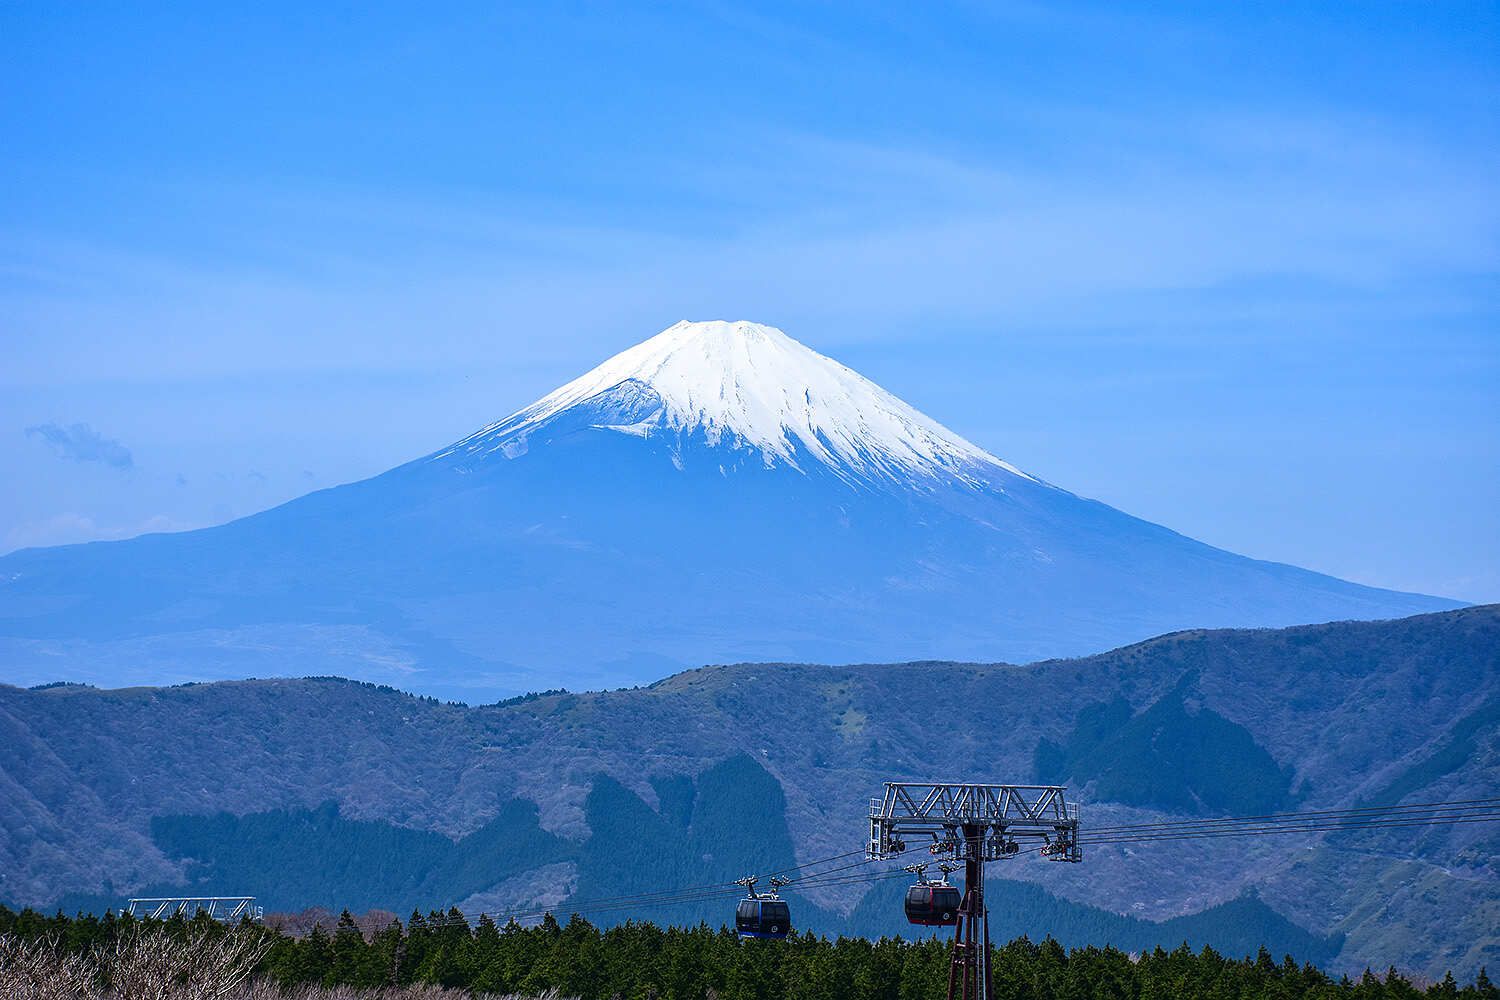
(891, 238)
(81, 443)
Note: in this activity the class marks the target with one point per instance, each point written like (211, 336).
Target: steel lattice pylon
(972, 823)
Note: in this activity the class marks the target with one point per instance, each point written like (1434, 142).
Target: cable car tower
(972, 824)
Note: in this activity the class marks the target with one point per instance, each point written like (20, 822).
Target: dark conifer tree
(317, 958)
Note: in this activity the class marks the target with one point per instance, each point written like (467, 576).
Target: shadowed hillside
(633, 789)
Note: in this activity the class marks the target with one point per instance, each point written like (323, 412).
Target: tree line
(641, 961)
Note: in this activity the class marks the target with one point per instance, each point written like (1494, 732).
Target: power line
(1291, 828)
(670, 897)
(831, 878)
(1308, 822)
(685, 894)
(1418, 806)
(810, 864)
(1319, 820)
(712, 887)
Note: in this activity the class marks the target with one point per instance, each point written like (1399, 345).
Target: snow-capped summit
(718, 493)
(746, 385)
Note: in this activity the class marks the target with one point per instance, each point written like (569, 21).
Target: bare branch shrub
(40, 970)
(263, 990)
(151, 964)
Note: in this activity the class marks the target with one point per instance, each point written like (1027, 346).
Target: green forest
(641, 961)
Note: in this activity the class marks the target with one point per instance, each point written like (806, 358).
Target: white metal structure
(226, 908)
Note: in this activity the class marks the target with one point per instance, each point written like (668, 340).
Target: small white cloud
(81, 443)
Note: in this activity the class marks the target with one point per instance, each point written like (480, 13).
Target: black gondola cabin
(763, 918)
(932, 905)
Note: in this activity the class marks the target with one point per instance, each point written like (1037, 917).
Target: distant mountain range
(717, 493)
(327, 792)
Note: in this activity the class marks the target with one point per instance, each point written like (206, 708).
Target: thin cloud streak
(996, 241)
(81, 443)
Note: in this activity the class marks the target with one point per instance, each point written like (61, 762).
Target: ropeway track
(1321, 821)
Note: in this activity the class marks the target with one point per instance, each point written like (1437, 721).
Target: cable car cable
(1418, 806)
(1285, 829)
(1310, 821)
(713, 887)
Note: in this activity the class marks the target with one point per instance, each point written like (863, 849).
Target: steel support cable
(713, 888)
(861, 879)
(710, 891)
(829, 881)
(1319, 821)
(830, 878)
(633, 904)
(502, 917)
(730, 886)
(811, 864)
(1283, 829)
(1427, 816)
(709, 887)
(832, 871)
(1416, 806)
(823, 881)
(1289, 829)
(662, 897)
(623, 904)
(1388, 824)
(833, 879)
(684, 898)
(1322, 822)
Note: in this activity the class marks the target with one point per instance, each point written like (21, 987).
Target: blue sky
(1232, 268)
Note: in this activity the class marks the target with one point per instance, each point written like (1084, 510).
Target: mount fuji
(717, 493)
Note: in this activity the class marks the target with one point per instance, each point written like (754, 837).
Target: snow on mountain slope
(744, 385)
(718, 493)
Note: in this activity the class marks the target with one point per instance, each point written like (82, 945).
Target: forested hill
(341, 794)
(642, 959)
